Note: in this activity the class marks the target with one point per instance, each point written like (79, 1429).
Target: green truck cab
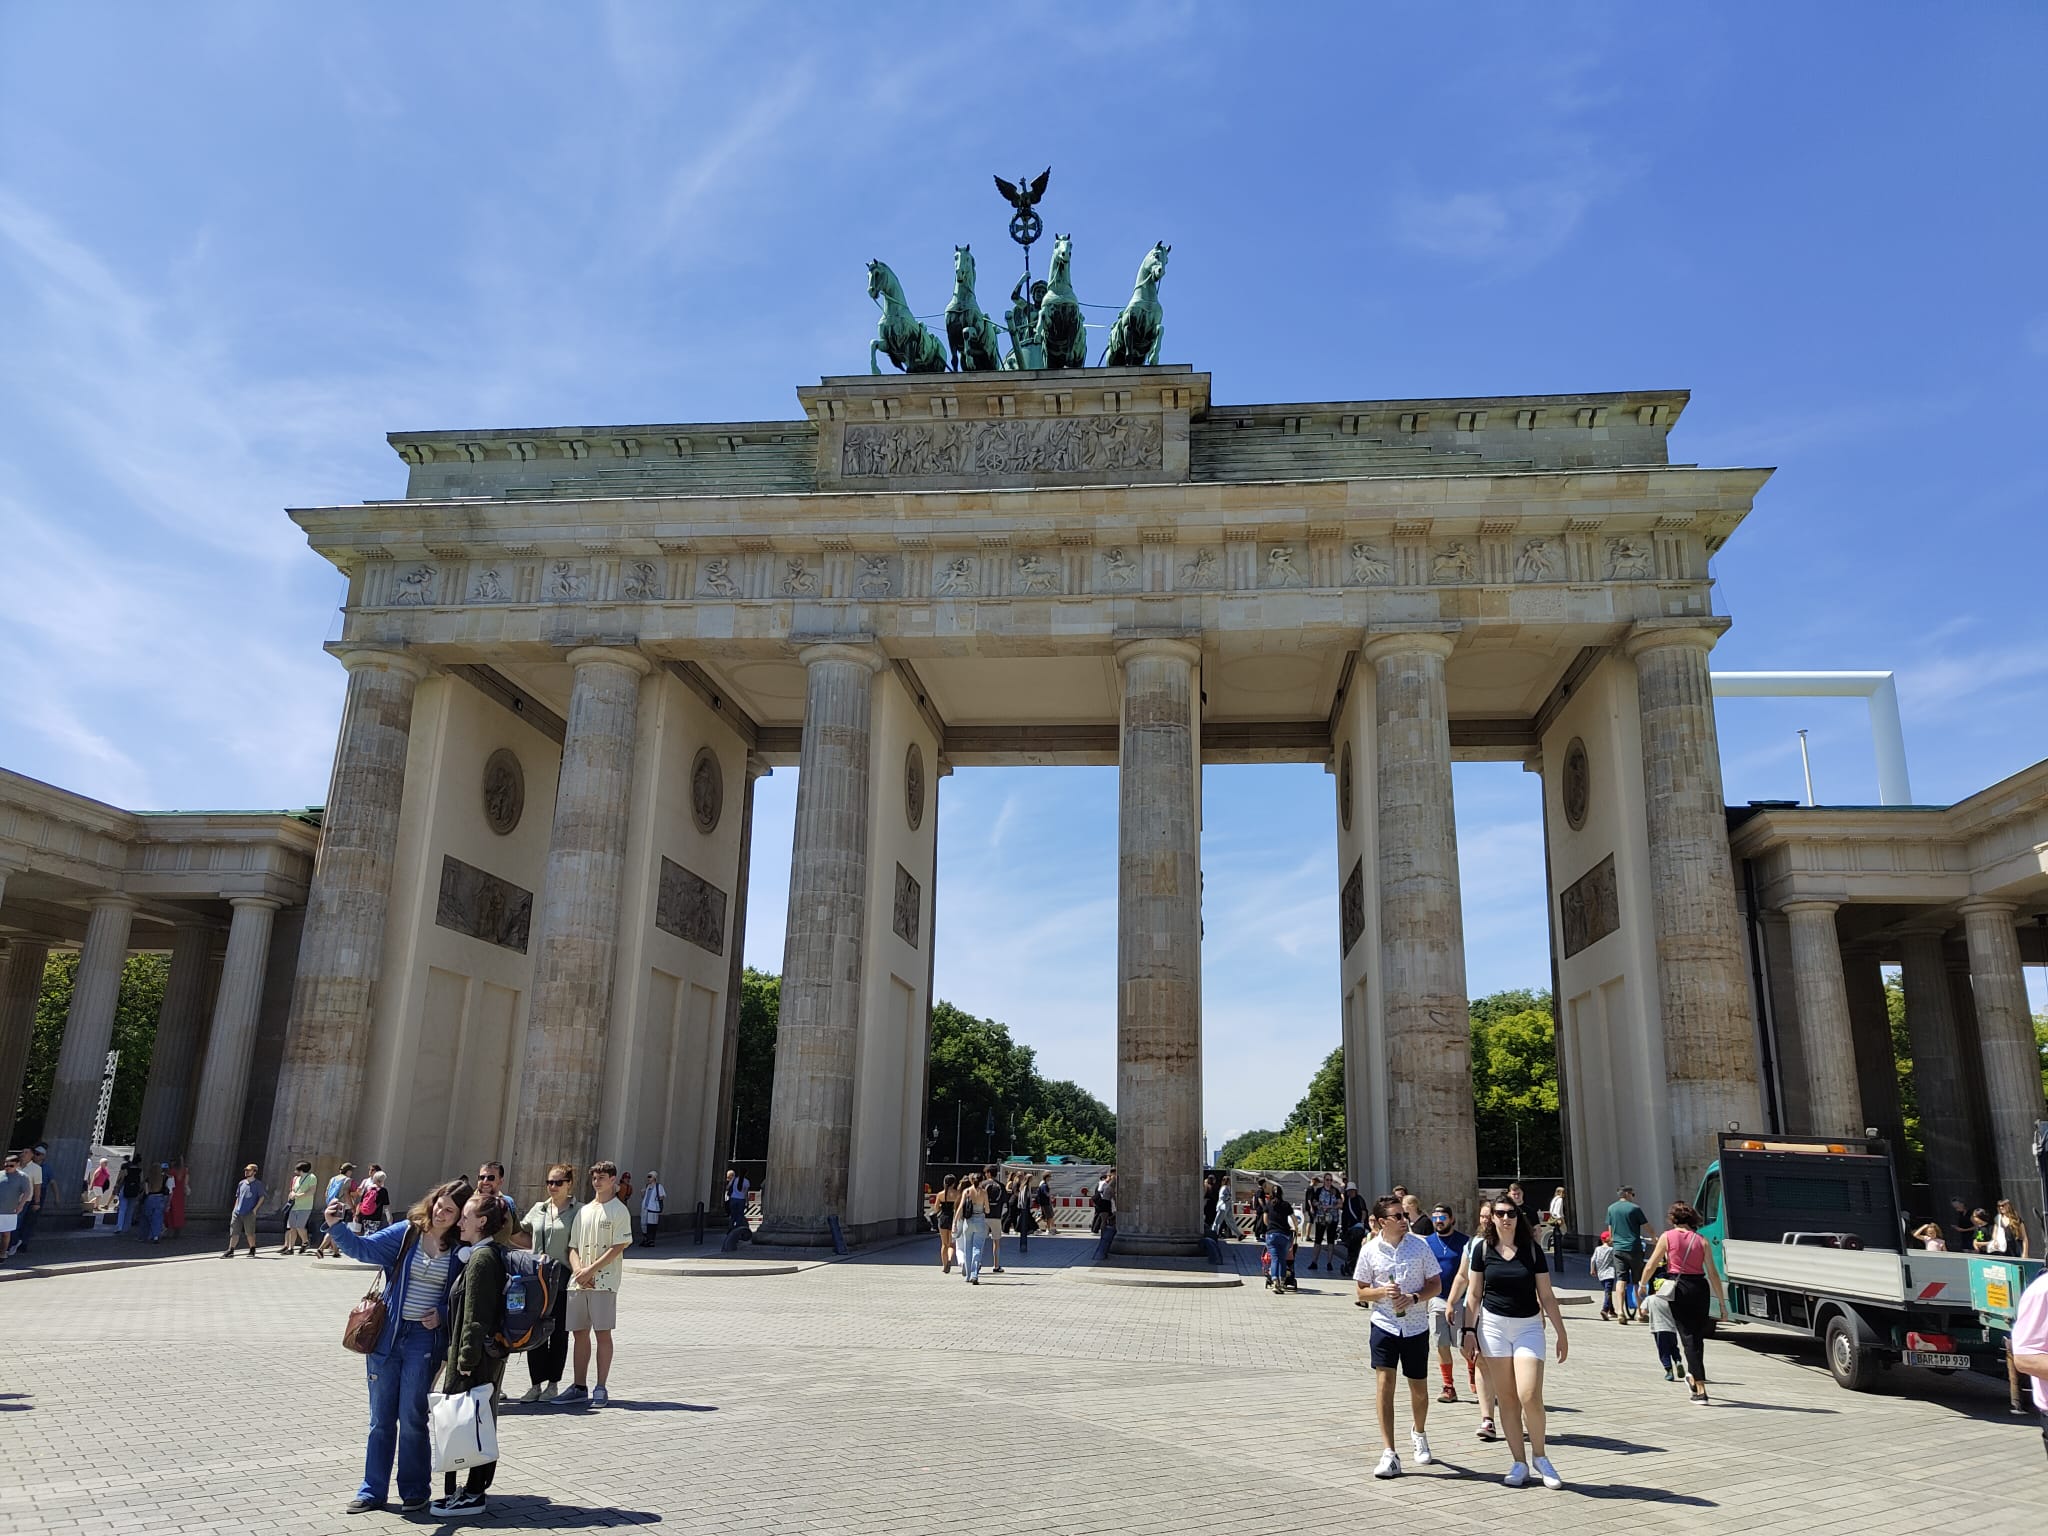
(1809, 1235)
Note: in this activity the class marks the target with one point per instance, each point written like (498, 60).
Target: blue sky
(239, 244)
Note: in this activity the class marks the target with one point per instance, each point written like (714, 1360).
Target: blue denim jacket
(381, 1248)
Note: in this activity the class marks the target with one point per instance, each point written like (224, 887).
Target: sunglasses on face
(557, 1183)
(1503, 1215)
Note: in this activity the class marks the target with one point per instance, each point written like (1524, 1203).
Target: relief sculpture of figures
(798, 579)
(959, 578)
(1134, 339)
(1535, 562)
(902, 335)
(1368, 564)
(415, 587)
(639, 581)
(718, 579)
(874, 576)
(970, 334)
(1117, 568)
(1060, 329)
(487, 588)
(1200, 571)
(1630, 560)
(565, 583)
(1281, 570)
(1454, 564)
(1037, 575)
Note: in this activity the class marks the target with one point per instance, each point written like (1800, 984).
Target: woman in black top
(1279, 1239)
(949, 1197)
(1505, 1333)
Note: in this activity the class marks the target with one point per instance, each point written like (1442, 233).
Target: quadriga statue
(1134, 339)
(902, 335)
(1060, 330)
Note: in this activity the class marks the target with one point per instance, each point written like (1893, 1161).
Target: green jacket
(479, 1302)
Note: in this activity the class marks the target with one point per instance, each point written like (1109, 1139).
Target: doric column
(1828, 1042)
(1430, 1132)
(2005, 1033)
(1938, 1085)
(735, 976)
(1877, 1072)
(341, 949)
(21, 985)
(166, 1121)
(577, 936)
(1710, 1057)
(224, 1078)
(1159, 949)
(82, 1059)
(810, 1117)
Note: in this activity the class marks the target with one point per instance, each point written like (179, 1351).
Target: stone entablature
(1116, 426)
(1992, 845)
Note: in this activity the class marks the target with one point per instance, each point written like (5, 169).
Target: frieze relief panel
(480, 905)
(690, 907)
(908, 911)
(1589, 909)
(1063, 445)
(1351, 907)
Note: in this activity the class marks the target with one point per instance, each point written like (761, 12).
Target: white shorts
(9, 1223)
(1503, 1337)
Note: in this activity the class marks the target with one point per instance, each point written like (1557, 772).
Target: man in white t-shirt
(32, 1170)
(599, 1236)
(1396, 1277)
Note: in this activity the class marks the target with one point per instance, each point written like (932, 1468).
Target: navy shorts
(1411, 1353)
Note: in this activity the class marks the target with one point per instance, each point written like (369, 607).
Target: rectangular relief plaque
(909, 900)
(1588, 909)
(478, 904)
(691, 908)
(1351, 908)
(1061, 446)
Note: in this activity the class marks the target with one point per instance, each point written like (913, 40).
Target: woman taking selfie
(417, 1256)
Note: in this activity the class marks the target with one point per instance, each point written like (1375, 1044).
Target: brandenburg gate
(572, 651)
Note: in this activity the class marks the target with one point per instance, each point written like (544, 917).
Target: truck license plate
(1930, 1357)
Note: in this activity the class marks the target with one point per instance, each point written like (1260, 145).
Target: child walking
(1606, 1268)
(1664, 1329)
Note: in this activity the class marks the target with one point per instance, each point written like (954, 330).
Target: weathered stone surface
(577, 938)
(230, 1046)
(1159, 949)
(810, 1125)
(1877, 1072)
(21, 979)
(166, 1120)
(1422, 934)
(320, 1084)
(1710, 1058)
(1828, 1044)
(2005, 1034)
(82, 1059)
(1937, 1064)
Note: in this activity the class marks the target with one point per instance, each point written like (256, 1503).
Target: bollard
(697, 1223)
(838, 1237)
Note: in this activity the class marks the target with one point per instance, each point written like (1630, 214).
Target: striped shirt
(426, 1281)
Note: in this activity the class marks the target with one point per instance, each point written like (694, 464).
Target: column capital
(614, 655)
(1986, 906)
(1425, 642)
(1694, 634)
(1825, 904)
(113, 899)
(1173, 647)
(757, 767)
(270, 902)
(861, 652)
(364, 658)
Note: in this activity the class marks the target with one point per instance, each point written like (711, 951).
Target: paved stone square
(188, 1393)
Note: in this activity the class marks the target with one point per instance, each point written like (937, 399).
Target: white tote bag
(462, 1429)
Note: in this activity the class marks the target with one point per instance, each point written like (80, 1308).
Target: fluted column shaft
(1877, 1072)
(1938, 1084)
(82, 1059)
(2005, 1036)
(21, 987)
(230, 1043)
(1834, 1106)
(1710, 1054)
(1422, 930)
(577, 937)
(1159, 949)
(810, 1117)
(327, 1045)
(735, 981)
(166, 1123)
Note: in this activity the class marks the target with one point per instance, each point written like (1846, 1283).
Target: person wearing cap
(1446, 1244)
(652, 1198)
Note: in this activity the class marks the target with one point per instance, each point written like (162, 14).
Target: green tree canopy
(1232, 1153)
(141, 999)
(1514, 1082)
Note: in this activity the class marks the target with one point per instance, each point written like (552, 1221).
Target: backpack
(998, 1198)
(535, 1288)
(367, 1205)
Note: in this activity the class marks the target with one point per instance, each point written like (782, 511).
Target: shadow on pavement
(1635, 1494)
(639, 1407)
(15, 1402)
(539, 1511)
(1604, 1443)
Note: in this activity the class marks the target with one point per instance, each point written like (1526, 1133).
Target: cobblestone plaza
(189, 1394)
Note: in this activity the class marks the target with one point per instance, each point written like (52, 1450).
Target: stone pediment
(1000, 431)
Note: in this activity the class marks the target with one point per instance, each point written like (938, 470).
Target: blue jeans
(399, 1382)
(735, 1214)
(153, 1217)
(970, 1237)
(122, 1213)
(1277, 1244)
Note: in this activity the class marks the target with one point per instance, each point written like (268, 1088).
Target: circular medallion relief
(913, 786)
(707, 790)
(504, 790)
(1578, 776)
(1344, 786)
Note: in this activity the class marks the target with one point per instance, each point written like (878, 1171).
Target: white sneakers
(537, 1391)
(1390, 1464)
(1548, 1473)
(1422, 1456)
(1518, 1476)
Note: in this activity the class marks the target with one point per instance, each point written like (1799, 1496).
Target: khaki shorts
(592, 1309)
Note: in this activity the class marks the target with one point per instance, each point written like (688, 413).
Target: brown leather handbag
(366, 1318)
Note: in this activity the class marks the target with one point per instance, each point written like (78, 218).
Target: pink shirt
(2030, 1332)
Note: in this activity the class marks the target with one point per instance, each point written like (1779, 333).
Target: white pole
(1806, 763)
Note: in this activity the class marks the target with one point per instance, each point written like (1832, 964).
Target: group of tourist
(973, 1210)
(445, 1272)
(2001, 1231)
(21, 1198)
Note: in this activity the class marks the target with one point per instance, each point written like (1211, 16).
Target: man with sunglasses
(1446, 1244)
(1396, 1277)
(490, 1183)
